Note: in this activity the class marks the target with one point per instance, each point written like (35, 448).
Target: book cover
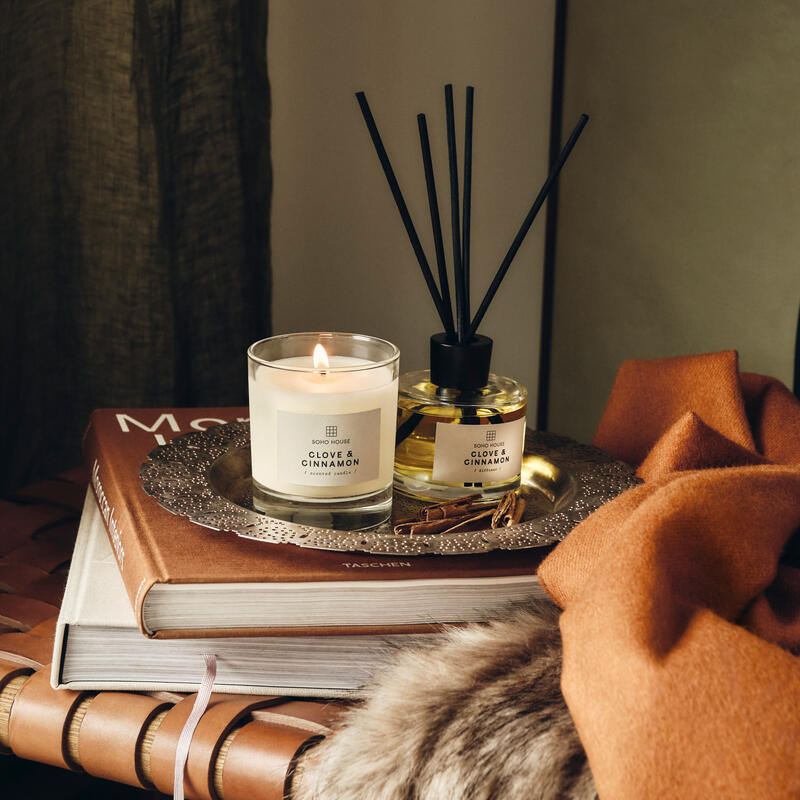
(154, 547)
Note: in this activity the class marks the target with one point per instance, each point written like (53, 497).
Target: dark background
(134, 214)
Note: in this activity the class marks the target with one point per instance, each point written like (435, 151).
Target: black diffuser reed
(460, 330)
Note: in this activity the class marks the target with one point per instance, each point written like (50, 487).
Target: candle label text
(329, 449)
(478, 453)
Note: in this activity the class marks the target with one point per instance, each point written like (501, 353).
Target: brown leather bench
(244, 748)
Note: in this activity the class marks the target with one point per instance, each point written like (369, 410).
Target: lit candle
(322, 424)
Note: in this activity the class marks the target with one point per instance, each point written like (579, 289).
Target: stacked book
(150, 592)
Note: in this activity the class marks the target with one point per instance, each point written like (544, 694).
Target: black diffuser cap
(460, 366)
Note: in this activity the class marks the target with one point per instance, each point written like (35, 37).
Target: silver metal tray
(205, 475)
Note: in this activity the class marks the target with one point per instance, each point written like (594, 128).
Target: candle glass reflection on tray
(323, 410)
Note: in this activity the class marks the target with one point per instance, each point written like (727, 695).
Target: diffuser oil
(452, 442)
(460, 428)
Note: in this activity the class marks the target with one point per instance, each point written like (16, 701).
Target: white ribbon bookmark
(198, 709)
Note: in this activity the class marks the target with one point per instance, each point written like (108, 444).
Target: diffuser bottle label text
(478, 454)
(328, 449)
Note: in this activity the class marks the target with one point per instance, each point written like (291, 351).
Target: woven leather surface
(65, 729)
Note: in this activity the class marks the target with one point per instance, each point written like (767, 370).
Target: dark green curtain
(134, 240)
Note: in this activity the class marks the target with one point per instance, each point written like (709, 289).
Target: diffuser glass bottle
(461, 429)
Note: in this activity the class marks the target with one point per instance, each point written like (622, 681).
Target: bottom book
(99, 646)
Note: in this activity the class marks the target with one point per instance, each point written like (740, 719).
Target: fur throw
(479, 716)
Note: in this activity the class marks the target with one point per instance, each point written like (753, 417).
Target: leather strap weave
(242, 748)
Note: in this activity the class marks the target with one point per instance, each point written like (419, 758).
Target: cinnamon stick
(463, 514)
(416, 526)
(515, 515)
(473, 522)
(505, 503)
(445, 525)
(449, 508)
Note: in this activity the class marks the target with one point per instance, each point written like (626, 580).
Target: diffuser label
(328, 449)
(478, 454)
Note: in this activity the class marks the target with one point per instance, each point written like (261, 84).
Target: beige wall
(340, 255)
(680, 216)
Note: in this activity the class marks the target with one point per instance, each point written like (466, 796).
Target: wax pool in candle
(323, 433)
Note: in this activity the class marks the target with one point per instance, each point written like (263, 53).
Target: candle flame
(320, 358)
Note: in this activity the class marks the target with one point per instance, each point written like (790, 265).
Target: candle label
(478, 453)
(329, 449)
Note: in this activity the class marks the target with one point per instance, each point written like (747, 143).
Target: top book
(187, 580)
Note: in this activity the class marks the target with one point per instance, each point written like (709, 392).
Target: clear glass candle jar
(323, 409)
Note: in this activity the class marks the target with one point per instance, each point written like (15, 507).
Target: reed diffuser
(460, 427)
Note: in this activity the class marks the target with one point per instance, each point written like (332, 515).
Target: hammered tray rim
(176, 475)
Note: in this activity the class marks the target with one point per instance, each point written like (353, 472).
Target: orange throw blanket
(681, 597)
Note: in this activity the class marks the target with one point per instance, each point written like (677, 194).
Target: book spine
(137, 564)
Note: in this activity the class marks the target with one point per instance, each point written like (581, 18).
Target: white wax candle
(322, 433)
